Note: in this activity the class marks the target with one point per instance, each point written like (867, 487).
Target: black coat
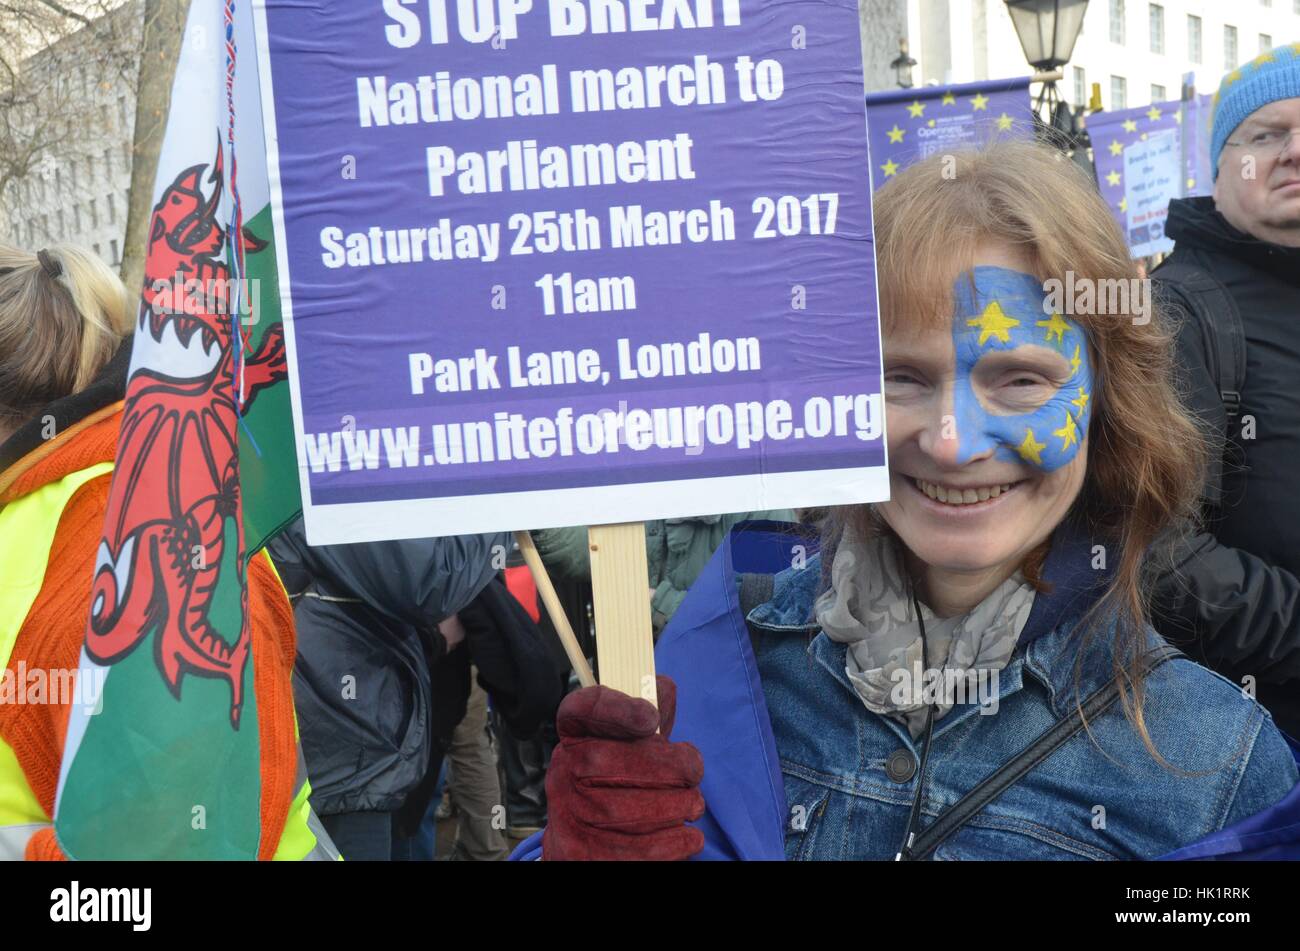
(366, 618)
(518, 667)
(1237, 590)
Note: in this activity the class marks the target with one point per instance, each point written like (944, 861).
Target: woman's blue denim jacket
(1100, 796)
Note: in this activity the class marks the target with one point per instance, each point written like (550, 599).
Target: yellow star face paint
(999, 312)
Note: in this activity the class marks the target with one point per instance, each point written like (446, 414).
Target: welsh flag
(166, 765)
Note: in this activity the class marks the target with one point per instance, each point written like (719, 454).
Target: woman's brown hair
(1145, 454)
(63, 314)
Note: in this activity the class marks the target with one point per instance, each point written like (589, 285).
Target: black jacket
(377, 692)
(1237, 589)
(366, 617)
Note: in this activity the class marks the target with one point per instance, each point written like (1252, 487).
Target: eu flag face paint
(998, 312)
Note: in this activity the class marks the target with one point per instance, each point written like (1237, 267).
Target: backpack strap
(1006, 775)
(1207, 301)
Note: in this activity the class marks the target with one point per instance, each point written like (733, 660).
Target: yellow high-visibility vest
(27, 529)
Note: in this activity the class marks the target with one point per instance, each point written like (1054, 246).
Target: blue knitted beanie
(1274, 75)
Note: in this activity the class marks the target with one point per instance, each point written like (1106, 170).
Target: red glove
(617, 789)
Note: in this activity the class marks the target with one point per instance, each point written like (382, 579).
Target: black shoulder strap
(1006, 775)
(1208, 302)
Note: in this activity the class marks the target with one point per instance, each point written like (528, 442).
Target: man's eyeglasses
(1266, 144)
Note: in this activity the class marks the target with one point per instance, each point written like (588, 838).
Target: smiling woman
(1038, 463)
(1017, 393)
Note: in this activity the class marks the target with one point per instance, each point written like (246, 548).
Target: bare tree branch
(65, 68)
(65, 12)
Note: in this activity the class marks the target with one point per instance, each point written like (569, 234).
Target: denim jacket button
(900, 766)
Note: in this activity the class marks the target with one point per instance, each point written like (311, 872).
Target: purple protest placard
(1113, 132)
(907, 125)
(556, 262)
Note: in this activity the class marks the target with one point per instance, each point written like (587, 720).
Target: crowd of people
(1095, 513)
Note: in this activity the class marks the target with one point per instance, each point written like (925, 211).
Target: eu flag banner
(907, 125)
(1114, 132)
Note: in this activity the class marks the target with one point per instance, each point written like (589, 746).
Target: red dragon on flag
(161, 557)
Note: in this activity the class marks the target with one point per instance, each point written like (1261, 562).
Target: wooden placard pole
(555, 609)
(621, 595)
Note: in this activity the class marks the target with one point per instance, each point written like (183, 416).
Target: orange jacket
(52, 634)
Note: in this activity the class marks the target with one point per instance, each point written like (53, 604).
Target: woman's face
(987, 422)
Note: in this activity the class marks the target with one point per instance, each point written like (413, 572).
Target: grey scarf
(868, 607)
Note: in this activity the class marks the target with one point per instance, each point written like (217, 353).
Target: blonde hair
(1145, 453)
(56, 333)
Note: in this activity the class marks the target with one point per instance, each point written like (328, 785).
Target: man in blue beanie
(1234, 280)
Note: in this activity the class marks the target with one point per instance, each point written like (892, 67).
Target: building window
(1194, 38)
(76, 217)
(1118, 93)
(117, 259)
(1229, 47)
(1265, 43)
(108, 162)
(1158, 93)
(98, 253)
(1117, 21)
(112, 210)
(1080, 87)
(94, 214)
(1156, 19)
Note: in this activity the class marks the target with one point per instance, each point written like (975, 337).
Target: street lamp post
(1048, 30)
(902, 66)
